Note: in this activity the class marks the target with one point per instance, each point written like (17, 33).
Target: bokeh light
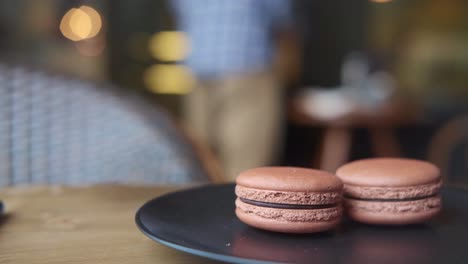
(95, 18)
(81, 23)
(169, 46)
(65, 26)
(169, 79)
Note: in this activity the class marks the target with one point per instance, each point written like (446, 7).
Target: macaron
(288, 199)
(391, 191)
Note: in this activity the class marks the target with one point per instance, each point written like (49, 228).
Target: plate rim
(197, 252)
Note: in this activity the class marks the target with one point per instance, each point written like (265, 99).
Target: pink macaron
(289, 199)
(391, 191)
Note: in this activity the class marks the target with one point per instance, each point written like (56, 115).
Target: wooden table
(80, 225)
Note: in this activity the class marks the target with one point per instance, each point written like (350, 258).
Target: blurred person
(236, 105)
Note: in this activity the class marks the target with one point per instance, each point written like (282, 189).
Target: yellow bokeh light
(95, 18)
(65, 26)
(81, 23)
(169, 79)
(169, 45)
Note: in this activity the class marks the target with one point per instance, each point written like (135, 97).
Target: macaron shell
(391, 172)
(285, 226)
(285, 197)
(393, 213)
(289, 179)
(378, 192)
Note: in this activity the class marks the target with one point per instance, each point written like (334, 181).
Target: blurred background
(303, 83)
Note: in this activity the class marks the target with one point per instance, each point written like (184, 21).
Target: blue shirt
(230, 36)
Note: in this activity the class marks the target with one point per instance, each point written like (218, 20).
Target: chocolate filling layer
(390, 200)
(287, 206)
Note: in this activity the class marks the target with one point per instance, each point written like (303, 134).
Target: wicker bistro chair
(55, 130)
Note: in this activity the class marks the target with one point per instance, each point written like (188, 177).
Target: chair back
(57, 130)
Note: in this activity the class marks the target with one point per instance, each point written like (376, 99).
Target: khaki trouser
(240, 117)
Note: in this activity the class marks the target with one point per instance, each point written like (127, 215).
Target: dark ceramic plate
(201, 221)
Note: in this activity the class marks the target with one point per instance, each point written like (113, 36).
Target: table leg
(444, 142)
(384, 142)
(336, 145)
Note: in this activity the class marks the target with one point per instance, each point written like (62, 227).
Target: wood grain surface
(80, 225)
